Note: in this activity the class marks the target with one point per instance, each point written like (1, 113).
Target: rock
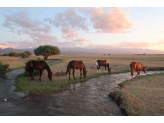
(5, 100)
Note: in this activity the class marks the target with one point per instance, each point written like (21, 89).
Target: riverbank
(143, 97)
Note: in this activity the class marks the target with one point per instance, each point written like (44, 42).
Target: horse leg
(105, 68)
(69, 74)
(139, 74)
(99, 69)
(32, 75)
(40, 75)
(132, 72)
(81, 73)
(73, 74)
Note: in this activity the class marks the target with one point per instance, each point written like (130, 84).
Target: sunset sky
(86, 27)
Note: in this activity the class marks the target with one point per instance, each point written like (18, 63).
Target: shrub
(3, 68)
(28, 53)
(23, 55)
(5, 54)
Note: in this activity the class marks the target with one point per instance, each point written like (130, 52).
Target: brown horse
(136, 66)
(38, 65)
(76, 65)
(103, 63)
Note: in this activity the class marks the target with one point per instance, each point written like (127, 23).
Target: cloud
(161, 42)
(108, 21)
(22, 19)
(81, 40)
(69, 33)
(127, 44)
(69, 18)
(159, 32)
(39, 36)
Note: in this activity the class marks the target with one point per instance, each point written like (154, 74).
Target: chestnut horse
(38, 65)
(136, 66)
(103, 63)
(76, 65)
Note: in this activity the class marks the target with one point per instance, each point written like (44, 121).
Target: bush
(23, 55)
(28, 53)
(14, 54)
(5, 54)
(3, 68)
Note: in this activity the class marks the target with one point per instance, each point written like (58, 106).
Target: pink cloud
(69, 33)
(108, 21)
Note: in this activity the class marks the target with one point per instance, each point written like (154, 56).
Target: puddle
(88, 98)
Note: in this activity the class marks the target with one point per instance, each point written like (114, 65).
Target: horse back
(102, 62)
(76, 64)
(36, 64)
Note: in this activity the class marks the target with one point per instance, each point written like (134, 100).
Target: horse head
(85, 73)
(50, 76)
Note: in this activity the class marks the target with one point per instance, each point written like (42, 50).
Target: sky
(85, 27)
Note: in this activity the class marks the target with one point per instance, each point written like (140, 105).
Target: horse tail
(132, 66)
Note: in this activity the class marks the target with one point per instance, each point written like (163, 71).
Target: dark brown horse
(38, 65)
(103, 63)
(76, 65)
(136, 66)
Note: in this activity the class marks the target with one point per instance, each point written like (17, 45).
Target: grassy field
(140, 97)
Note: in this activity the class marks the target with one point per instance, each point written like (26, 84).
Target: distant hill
(7, 50)
(78, 50)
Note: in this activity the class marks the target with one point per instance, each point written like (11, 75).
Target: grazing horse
(136, 66)
(103, 63)
(76, 65)
(38, 65)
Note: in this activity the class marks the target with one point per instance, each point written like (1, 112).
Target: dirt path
(88, 98)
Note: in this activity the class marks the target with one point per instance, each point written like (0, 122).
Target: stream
(89, 98)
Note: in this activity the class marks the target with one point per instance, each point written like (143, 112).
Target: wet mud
(89, 98)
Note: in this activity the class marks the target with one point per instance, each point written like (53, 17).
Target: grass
(144, 96)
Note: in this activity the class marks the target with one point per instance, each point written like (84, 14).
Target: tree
(23, 55)
(28, 53)
(14, 54)
(46, 51)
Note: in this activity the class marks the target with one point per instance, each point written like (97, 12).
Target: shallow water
(88, 98)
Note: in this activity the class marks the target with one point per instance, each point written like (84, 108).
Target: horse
(103, 63)
(76, 65)
(137, 66)
(38, 65)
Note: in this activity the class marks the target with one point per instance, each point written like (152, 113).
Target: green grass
(143, 96)
(23, 84)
